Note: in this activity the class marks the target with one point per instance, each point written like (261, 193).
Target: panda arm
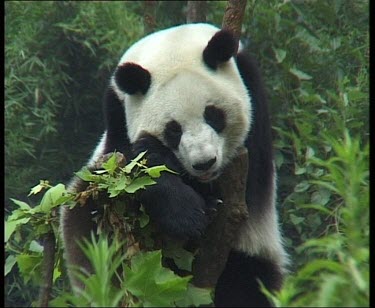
(176, 207)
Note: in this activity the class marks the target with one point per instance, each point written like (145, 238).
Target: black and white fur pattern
(185, 95)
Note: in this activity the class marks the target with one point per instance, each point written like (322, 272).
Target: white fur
(99, 150)
(181, 87)
(260, 235)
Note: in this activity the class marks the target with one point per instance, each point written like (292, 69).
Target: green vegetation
(147, 283)
(314, 56)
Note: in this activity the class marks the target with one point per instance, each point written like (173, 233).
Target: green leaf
(317, 207)
(86, 175)
(144, 219)
(53, 197)
(322, 196)
(9, 263)
(18, 214)
(299, 170)
(111, 164)
(155, 171)
(22, 205)
(279, 54)
(10, 227)
(153, 284)
(299, 74)
(181, 257)
(301, 187)
(56, 273)
(195, 297)
(118, 186)
(36, 247)
(295, 219)
(318, 265)
(134, 162)
(139, 183)
(309, 153)
(37, 189)
(29, 266)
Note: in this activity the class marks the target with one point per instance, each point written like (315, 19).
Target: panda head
(182, 86)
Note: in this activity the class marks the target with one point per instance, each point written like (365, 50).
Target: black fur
(205, 165)
(176, 207)
(238, 285)
(215, 117)
(259, 141)
(117, 137)
(132, 78)
(172, 134)
(219, 49)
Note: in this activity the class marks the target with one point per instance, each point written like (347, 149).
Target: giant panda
(189, 98)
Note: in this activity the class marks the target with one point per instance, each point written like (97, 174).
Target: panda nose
(205, 166)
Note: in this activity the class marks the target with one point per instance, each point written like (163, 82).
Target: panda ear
(220, 48)
(132, 78)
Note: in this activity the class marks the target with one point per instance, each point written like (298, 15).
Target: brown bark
(196, 11)
(149, 19)
(221, 234)
(233, 17)
(48, 267)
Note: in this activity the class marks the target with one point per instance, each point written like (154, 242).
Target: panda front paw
(177, 208)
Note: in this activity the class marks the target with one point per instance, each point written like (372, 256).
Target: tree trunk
(233, 17)
(220, 235)
(149, 19)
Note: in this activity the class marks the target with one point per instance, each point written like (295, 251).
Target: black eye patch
(215, 117)
(172, 134)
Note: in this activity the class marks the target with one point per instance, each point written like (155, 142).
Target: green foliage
(117, 180)
(338, 274)
(153, 284)
(143, 282)
(48, 93)
(299, 41)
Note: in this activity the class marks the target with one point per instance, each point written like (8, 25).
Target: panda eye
(173, 133)
(215, 117)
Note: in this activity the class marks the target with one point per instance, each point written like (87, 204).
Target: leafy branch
(132, 248)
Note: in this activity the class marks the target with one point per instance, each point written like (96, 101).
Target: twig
(48, 267)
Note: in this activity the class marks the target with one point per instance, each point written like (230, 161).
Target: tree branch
(149, 19)
(220, 235)
(233, 17)
(48, 267)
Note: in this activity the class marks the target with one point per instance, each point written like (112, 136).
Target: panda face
(183, 87)
(198, 145)
(202, 123)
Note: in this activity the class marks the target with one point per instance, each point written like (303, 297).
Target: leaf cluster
(122, 273)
